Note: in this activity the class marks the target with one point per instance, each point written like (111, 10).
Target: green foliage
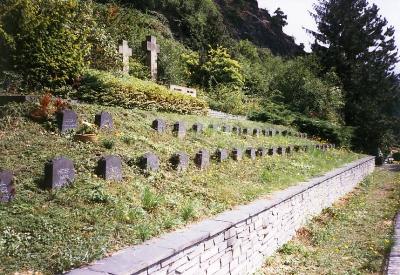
(396, 156)
(227, 99)
(363, 53)
(46, 41)
(340, 135)
(150, 200)
(129, 92)
(108, 143)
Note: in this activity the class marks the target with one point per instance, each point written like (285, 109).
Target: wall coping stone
(394, 257)
(137, 258)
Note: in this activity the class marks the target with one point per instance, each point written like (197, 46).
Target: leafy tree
(46, 41)
(279, 18)
(358, 43)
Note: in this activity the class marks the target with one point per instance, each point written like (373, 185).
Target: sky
(299, 17)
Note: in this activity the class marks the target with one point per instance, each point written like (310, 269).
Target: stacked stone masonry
(237, 241)
(393, 267)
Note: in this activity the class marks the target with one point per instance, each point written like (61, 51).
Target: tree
(279, 18)
(357, 42)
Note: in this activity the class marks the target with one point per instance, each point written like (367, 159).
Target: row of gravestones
(179, 128)
(68, 120)
(60, 171)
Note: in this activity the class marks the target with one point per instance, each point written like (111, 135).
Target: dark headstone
(271, 132)
(202, 159)
(290, 134)
(7, 187)
(289, 149)
(221, 155)
(271, 151)
(246, 131)
(226, 129)
(277, 132)
(236, 130)
(305, 148)
(251, 153)
(280, 150)
(237, 154)
(149, 162)
(104, 120)
(317, 146)
(262, 152)
(67, 120)
(256, 132)
(59, 172)
(159, 125)
(284, 133)
(179, 129)
(110, 168)
(180, 161)
(197, 128)
(296, 148)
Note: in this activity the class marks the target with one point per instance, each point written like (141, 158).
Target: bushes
(129, 92)
(46, 41)
(340, 135)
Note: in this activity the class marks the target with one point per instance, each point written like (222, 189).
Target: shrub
(396, 156)
(45, 40)
(129, 92)
(228, 99)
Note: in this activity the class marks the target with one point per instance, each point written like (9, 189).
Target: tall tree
(357, 42)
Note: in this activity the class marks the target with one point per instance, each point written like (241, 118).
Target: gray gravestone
(149, 162)
(202, 159)
(226, 129)
(246, 131)
(289, 149)
(197, 128)
(221, 155)
(7, 187)
(180, 161)
(256, 132)
(179, 129)
(126, 53)
(59, 172)
(271, 132)
(305, 148)
(67, 120)
(296, 148)
(110, 168)
(284, 133)
(262, 152)
(237, 130)
(104, 120)
(237, 154)
(271, 151)
(277, 132)
(159, 125)
(214, 127)
(280, 150)
(251, 153)
(153, 49)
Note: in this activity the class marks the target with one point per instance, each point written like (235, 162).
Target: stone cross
(126, 53)
(153, 49)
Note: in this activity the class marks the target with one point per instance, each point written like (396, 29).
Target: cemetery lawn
(352, 237)
(54, 231)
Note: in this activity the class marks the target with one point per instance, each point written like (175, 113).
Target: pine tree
(355, 41)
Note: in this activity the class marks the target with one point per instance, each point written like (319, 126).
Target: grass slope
(52, 231)
(353, 237)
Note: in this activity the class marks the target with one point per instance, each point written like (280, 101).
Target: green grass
(53, 231)
(352, 237)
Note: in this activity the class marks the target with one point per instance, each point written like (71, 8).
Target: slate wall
(236, 241)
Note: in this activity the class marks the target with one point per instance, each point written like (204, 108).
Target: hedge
(129, 92)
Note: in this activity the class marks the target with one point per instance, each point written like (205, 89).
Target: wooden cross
(126, 53)
(153, 49)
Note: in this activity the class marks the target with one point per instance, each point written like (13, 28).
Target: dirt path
(352, 237)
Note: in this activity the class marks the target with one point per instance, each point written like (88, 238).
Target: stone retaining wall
(394, 258)
(236, 241)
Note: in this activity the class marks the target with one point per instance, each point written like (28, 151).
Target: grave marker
(153, 49)
(183, 90)
(180, 161)
(67, 120)
(271, 151)
(236, 130)
(59, 172)
(7, 187)
(104, 120)
(202, 159)
(262, 152)
(221, 155)
(126, 53)
(280, 150)
(110, 168)
(246, 131)
(251, 153)
(179, 129)
(237, 154)
(197, 128)
(149, 162)
(226, 129)
(256, 132)
(159, 125)
(214, 127)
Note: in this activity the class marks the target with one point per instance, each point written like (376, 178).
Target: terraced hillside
(51, 231)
